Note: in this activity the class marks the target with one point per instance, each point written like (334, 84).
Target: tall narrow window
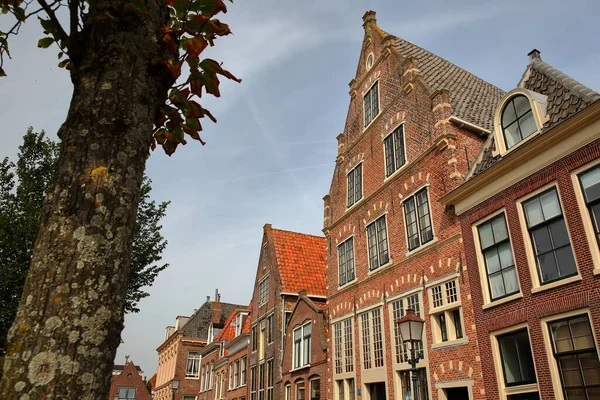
(337, 347)
(348, 346)
(576, 357)
(193, 364)
(377, 243)
(498, 257)
(517, 360)
(417, 218)
(264, 256)
(300, 395)
(372, 339)
(271, 328)
(446, 312)
(355, 185)
(371, 103)
(315, 388)
(366, 340)
(302, 347)
(236, 374)
(549, 237)
(590, 183)
(261, 381)
(254, 338)
(270, 380)
(243, 362)
(398, 311)
(346, 261)
(517, 121)
(263, 291)
(394, 151)
(253, 383)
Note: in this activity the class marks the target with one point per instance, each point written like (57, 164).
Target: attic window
(518, 121)
(369, 61)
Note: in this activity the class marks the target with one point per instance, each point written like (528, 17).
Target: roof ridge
(571, 84)
(298, 233)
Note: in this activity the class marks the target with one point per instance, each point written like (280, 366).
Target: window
(239, 323)
(517, 121)
(590, 184)
(262, 337)
(254, 338)
(498, 258)
(346, 261)
(302, 348)
(371, 103)
(202, 378)
(377, 242)
(261, 381)
(264, 256)
(345, 389)
(549, 237)
(417, 219)
(398, 311)
(355, 185)
(230, 377)
(369, 61)
(236, 374)
(517, 360)
(243, 371)
(263, 291)
(252, 383)
(421, 390)
(394, 151)
(189, 398)
(212, 375)
(315, 388)
(300, 390)
(126, 393)
(270, 380)
(372, 340)
(193, 365)
(576, 357)
(446, 312)
(288, 391)
(271, 328)
(343, 350)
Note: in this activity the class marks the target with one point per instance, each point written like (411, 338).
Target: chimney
(216, 308)
(534, 55)
(217, 294)
(207, 299)
(369, 18)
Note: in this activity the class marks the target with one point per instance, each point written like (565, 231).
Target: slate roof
(198, 324)
(301, 261)
(473, 99)
(565, 98)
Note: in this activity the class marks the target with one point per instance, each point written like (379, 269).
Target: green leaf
(46, 42)
(19, 13)
(47, 25)
(60, 55)
(140, 5)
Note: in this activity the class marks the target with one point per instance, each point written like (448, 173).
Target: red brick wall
(318, 363)
(435, 157)
(533, 306)
(242, 391)
(207, 362)
(129, 378)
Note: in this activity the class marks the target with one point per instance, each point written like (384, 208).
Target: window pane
(533, 212)
(541, 240)
(566, 262)
(581, 333)
(389, 155)
(550, 204)
(510, 280)
(497, 286)
(399, 146)
(522, 105)
(590, 367)
(508, 114)
(512, 135)
(559, 233)
(492, 261)
(590, 181)
(505, 253)
(372, 239)
(527, 124)
(517, 360)
(351, 188)
(358, 183)
(486, 237)
(569, 366)
(561, 336)
(547, 266)
(499, 225)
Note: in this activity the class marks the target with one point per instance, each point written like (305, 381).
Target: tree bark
(63, 341)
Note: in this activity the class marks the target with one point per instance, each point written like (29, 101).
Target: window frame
(392, 135)
(448, 336)
(413, 197)
(364, 113)
(537, 285)
(482, 266)
(346, 346)
(369, 344)
(127, 389)
(297, 383)
(311, 380)
(377, 243)
(243, 370)
(355, 187)
(593, 243)
(305, 357)
(347, 268)
(400, 350)
(195, 361)
(518, 118)
(271, 328)
(263, 290)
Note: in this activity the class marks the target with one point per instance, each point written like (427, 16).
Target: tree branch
(73, 16)
(60, 32)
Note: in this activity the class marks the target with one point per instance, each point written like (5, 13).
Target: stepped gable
(301, 261)
(565, 98)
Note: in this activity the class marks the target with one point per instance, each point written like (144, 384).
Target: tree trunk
(63, 341)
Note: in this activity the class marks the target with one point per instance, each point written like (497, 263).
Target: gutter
(461, 123)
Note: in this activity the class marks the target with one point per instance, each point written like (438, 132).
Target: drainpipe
(282, 337)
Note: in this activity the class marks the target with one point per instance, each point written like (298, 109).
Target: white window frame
(503, 390)
(483, 276)
(243, 370)
(529, 252)
(345, 243)
(353, 171)
(404, 297)
(373, 117)
(371, 339)
(347, 353)
(304, 353)
(195, 361)
(127, 389)
(396, 167)
(447, 309)
(433, 239)
(263, 290)
(387, 240)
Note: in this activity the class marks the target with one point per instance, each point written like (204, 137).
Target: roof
(120, 367)
(152, 381)
(228, 331)
(473, 99)
(198, 324)
(565, 98)
(301, 261)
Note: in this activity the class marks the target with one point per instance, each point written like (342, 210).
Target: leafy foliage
(22, 188)
(190, 29)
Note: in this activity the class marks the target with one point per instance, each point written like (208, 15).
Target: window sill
(396, 172)
(356, 203)
(376, 270)
(372, 120)
(347, 284)
(503, 300)
(556, 284)
(450, 343)
(422, 247)
(528, 388)
(191, 377)
(300, 368)
(446, 307)
(596, 271)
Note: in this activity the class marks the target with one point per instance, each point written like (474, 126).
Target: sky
(270, 157)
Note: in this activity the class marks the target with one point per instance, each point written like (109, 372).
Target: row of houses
(478, 209)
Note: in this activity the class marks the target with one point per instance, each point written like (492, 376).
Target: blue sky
(271, 155)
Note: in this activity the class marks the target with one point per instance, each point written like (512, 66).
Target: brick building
(127, 383)
(238, 344)
(179, 355)
(289, 262)
(305, 350)
(530, 213)
(414, 120)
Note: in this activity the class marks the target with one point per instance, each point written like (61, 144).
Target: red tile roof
(228, 331)
(301, 260)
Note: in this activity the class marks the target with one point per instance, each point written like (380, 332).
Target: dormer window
(517, 121)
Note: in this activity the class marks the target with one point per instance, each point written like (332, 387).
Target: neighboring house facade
(305, 350)
(289, 262)
(237, 346)
(415, 121)
(127, 383)
(179, 356)
(530, 216)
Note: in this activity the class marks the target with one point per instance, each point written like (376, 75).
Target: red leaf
(195, 46)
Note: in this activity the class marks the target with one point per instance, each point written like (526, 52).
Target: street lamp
(174, 386)
(411, 330)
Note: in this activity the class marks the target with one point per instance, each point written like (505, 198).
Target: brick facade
(436, 151)
(128, 378)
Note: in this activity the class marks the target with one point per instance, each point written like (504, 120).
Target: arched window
(315, 387)
(518, 121)
(300, 392)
